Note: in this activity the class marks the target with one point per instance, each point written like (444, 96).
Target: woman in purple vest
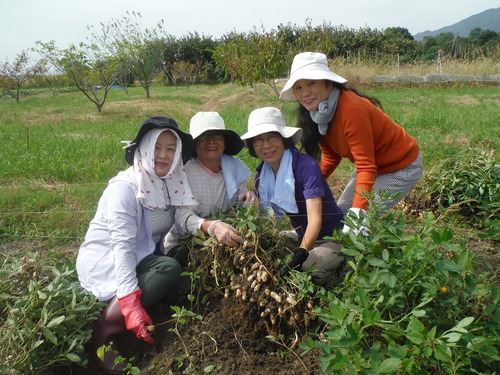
(290, 182)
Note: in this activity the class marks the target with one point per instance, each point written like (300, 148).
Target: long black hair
(311, 137)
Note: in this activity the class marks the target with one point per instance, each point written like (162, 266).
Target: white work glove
(224, 233)
(247, 198)
(357, 215)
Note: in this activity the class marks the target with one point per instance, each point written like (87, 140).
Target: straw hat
(207, 121)
(308, 65)
(270, 119)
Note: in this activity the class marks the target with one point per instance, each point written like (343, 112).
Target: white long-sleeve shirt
(118, 238)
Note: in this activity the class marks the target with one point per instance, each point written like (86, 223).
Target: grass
(58, 153)
(354, 68)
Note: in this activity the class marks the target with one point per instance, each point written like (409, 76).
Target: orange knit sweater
(365, 135)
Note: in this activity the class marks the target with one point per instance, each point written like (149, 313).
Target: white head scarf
(161, 192)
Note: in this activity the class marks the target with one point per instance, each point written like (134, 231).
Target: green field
(416, 295)
(58, 152)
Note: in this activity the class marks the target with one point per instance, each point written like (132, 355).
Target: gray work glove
(224, 233)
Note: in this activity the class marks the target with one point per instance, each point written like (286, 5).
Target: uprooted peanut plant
(250, 273)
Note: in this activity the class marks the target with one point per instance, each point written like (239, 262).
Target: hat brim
(314, 74)
(164, 123)
(295, 134)
(232, 141)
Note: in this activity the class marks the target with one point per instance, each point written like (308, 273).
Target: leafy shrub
(45, 316)
(469, 181)
(411, 303)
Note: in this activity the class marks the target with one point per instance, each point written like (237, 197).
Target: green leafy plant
(45, 316)
(469, 183)
(130, 369)
(411, 302)
(181, 317)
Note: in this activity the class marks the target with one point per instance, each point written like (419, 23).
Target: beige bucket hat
(209, 121)
(270, 119)
(308, 65)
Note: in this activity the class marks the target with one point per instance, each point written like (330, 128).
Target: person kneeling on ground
(291, 183)
(218, 180)
(116, 262)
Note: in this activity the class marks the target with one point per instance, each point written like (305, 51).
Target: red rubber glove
(136, 318)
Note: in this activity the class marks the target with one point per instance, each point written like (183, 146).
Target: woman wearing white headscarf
(117, 260)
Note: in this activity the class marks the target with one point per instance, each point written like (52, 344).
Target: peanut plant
(45, 316)
(411, 302)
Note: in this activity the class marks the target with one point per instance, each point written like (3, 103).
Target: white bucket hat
(207, 121)
(308, 65)
(270, 119)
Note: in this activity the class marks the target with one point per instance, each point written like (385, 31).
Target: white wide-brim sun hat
(308, 65)
(207, 121)
(270, 119)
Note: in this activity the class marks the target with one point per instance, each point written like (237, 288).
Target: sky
(66, 22)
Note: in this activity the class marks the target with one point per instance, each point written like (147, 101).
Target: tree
(193, 52)
(185, 72)
(50, 80)
(140, 51)
(369, 42)
(92, 71)
(344, 42)
(314, 39)
(399, 41)
(445, 41)
(483, 43)
(16, 74)
(254, 58)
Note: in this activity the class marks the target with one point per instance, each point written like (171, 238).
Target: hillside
(487, 20)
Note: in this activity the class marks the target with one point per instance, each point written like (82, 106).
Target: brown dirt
(225, 341)
(228, 340)
(231, 336)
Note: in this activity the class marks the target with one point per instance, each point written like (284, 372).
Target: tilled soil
(226, 341)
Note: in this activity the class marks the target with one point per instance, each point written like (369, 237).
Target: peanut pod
(276, 297)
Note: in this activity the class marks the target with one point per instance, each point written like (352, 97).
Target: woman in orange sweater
(339, 122)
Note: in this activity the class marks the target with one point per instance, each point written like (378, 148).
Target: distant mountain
(487, 20)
